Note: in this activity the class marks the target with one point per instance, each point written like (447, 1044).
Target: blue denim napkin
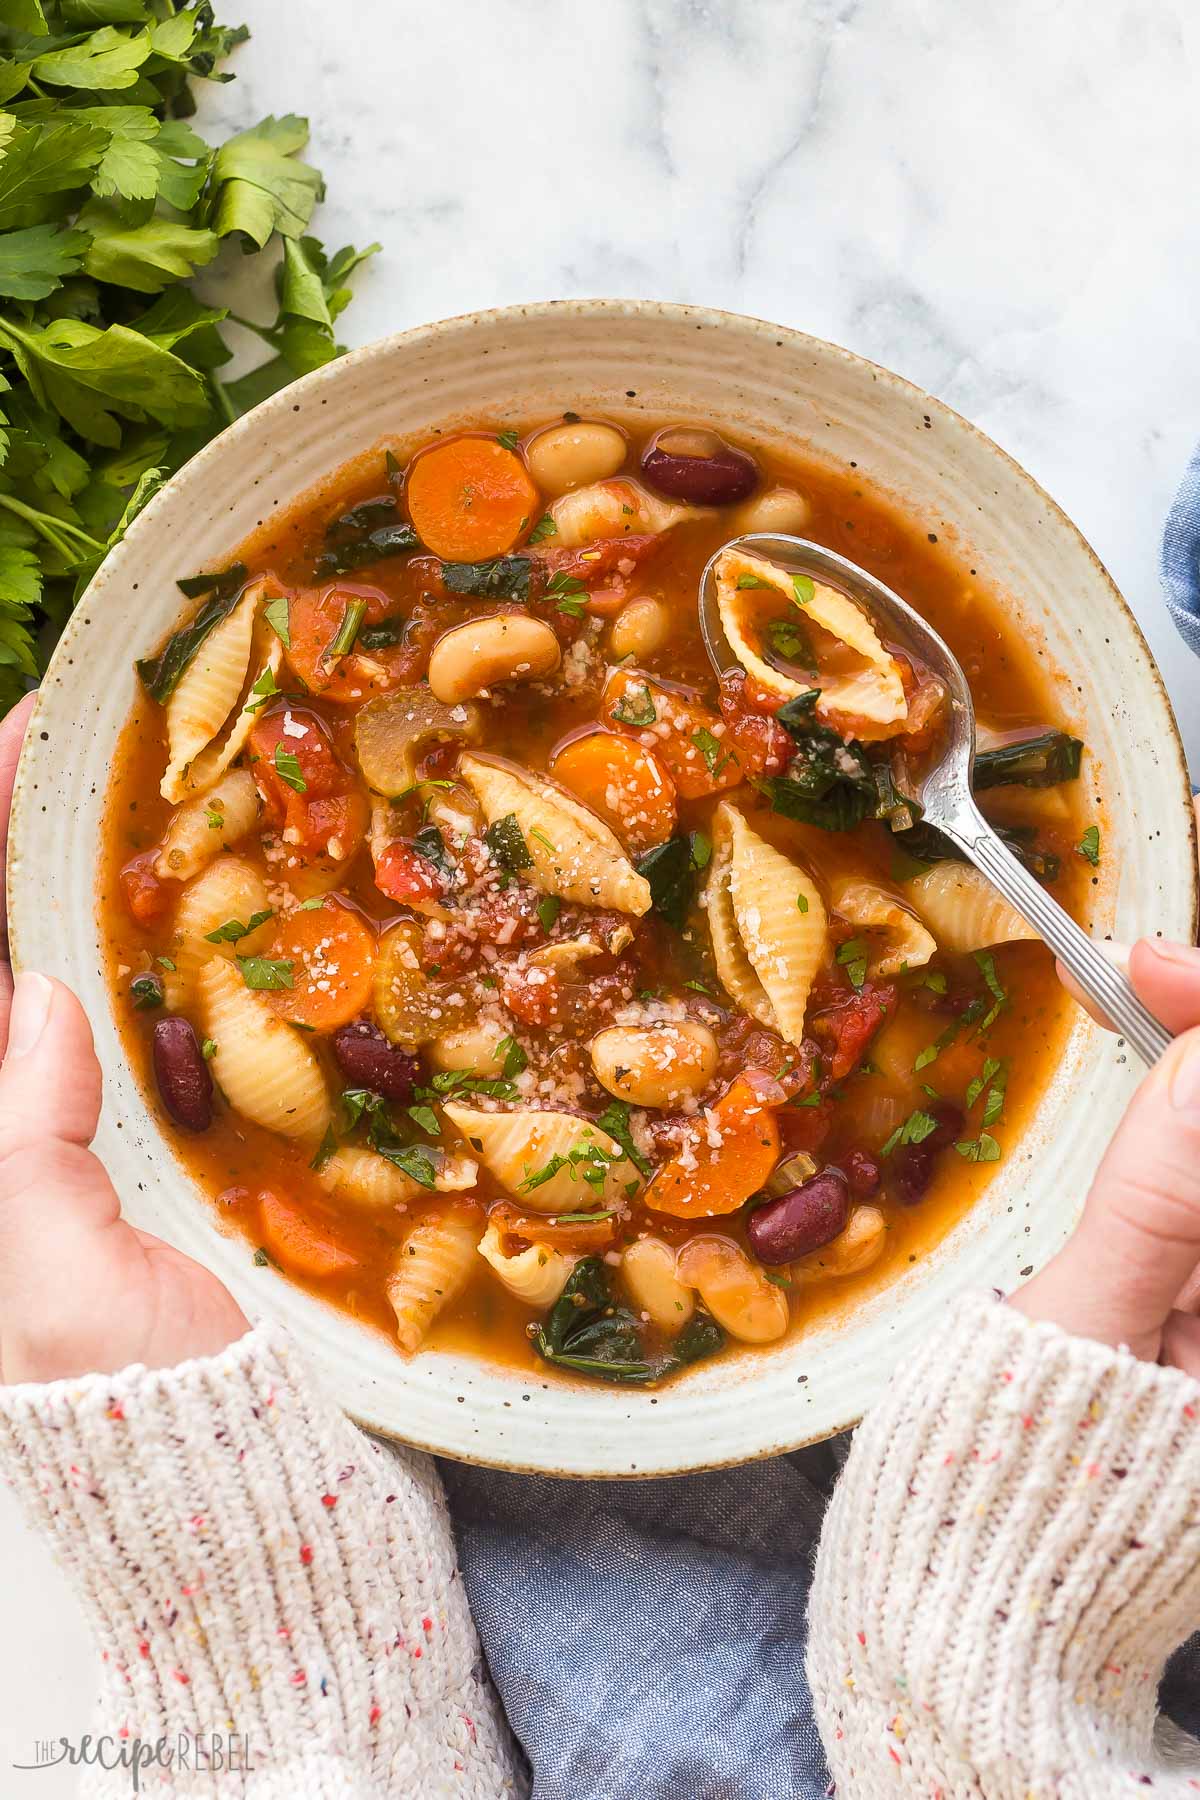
(647, 1638)
(1181, 556)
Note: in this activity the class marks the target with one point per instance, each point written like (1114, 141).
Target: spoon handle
(1075, 950)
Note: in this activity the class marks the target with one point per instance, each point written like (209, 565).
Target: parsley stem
(220, 394)
(58, 532)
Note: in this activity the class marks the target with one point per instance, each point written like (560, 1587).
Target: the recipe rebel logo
(218, 1753)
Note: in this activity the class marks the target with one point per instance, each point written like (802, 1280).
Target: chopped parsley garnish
(287, 767)
(263, 1258)
(233, 929)
(325, 1149)
(987, 968)
(753, 581)
(543, 840)
(788, 640)
(562, 583)
(1089, 846)
(263, 692)
(984, 1148)
(515, 1059)
(994, 1079)
(165, 962)
(208, 1049)
(548, 909)
(630, 710)
(508, 440)
(615, 1120)
(545, 528)
(710, 748)
(802, 902)
(426, 1119)
(466, 1081)
(803, 589)
(146, 992)
(214, 818)
(589, 1161)
(506, 841)
(915, 1129)
(312, 904)
(852, 957)
(934, 980)
(416, 1160)
(701, 849)
(278, 616)
(584, 1218)
(264, 975)
(574, 609)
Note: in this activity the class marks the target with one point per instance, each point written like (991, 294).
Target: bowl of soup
(594, 1059)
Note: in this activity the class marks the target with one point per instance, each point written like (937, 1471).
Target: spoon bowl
(943, 788)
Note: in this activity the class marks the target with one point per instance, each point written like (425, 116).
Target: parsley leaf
(545, 528)
(233, 929)
(265, 976)
(287, 767)
(915, 1129)
(1089, 846)
(852, 956)
(615, 1120)
(632, 710)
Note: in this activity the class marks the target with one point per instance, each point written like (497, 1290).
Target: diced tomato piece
(533, 995)
(316, 804)
(403, 874)
(805, 1127)
(845, 1025)
(607, 564)
(759, 741)
(146, 896)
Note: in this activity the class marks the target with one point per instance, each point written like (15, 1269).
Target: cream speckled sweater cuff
(1011, 1554)
(252, 1564)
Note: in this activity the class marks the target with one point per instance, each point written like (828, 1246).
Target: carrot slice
(621, 781)
(331, 951)
(470, 498)
(298, 1244)
(708, 1176)
(691, 748)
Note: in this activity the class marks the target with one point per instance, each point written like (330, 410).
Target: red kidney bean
(950, 1121)
(862, 1172)
(716, 479)
(370, 1061)
(802, 1220)
(182, 1075)
(910, 1172)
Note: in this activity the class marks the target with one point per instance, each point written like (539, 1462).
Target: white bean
(570, 456)
(474, 1046)
(735, 1291)
(654, 1065)
(779, 509)
(648, 1271)
(471, 658)
(855, 1248)
(640, 628)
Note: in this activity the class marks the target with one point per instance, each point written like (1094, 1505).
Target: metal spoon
(944, 791)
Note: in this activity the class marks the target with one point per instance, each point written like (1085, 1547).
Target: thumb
(1139, 1239)
(50, 1082)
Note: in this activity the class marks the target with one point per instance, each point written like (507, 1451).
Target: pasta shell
(207, 824)
(432, 1267)
(211, 711)
(963, 909)
(575, 855)
(260, 1063)
(767, 950)
(360, 1176)
(230, 888)
(516, 1146)
(906, 943)
(872, 691)
(610, 509)
(537, 1275)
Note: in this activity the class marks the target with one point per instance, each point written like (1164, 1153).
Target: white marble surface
(991, 201)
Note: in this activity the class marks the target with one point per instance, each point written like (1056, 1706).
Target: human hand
(80, 1289)
(1130, 1274)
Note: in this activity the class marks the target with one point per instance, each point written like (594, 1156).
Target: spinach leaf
(587, 1331)
(432, 846)
(1035, 762)
(160, 675)
(385, 540)
(502, 578)
(383, 635)
(506, 841)
(381, 510)
(828, 782)
(926, 844)
(670, 869)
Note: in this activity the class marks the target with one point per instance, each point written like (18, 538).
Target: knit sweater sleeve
(258, 1571)
(1011, 1554)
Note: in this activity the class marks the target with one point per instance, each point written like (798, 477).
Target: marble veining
(991, 201)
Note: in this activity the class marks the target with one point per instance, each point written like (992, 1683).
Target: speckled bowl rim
(278, 407)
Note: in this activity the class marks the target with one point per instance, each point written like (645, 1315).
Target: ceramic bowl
(764, 383)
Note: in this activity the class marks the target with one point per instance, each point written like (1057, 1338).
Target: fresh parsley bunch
(109, 363)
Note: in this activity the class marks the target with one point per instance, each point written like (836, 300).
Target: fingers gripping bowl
(903, 486)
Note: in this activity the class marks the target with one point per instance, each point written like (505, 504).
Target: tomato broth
(653, 979)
